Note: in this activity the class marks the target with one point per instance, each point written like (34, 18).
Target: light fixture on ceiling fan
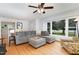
(41, 8)
(77, 19)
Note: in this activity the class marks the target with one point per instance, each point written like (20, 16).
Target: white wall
(25, 24)
(39, 26)
(32, 25)
(78, 27)
(44, 26)
(36, 25)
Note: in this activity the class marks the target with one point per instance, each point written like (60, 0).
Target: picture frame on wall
(19, 25)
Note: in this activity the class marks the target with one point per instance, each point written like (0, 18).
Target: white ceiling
(23, 12)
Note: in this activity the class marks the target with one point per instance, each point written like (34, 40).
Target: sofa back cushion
(44, 33)
(26, 33)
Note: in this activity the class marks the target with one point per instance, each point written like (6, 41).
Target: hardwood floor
(26, 49)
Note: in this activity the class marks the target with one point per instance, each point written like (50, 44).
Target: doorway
(5, 28)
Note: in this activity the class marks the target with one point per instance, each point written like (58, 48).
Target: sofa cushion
(22, 37)
(49, 39)
(44, 33)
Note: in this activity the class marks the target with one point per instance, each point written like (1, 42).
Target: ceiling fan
(41, 8)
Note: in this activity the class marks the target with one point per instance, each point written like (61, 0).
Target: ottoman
(37, 41)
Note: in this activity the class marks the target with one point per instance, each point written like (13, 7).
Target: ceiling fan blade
(35, 11)
(32, 6)
(42, 4)
(50, 7)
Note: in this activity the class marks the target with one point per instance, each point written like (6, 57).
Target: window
(72, 27)
(48, 27)
(58, 27)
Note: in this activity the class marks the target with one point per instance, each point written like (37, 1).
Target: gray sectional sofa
(33, 39)
(22, 37)
(49, 39)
